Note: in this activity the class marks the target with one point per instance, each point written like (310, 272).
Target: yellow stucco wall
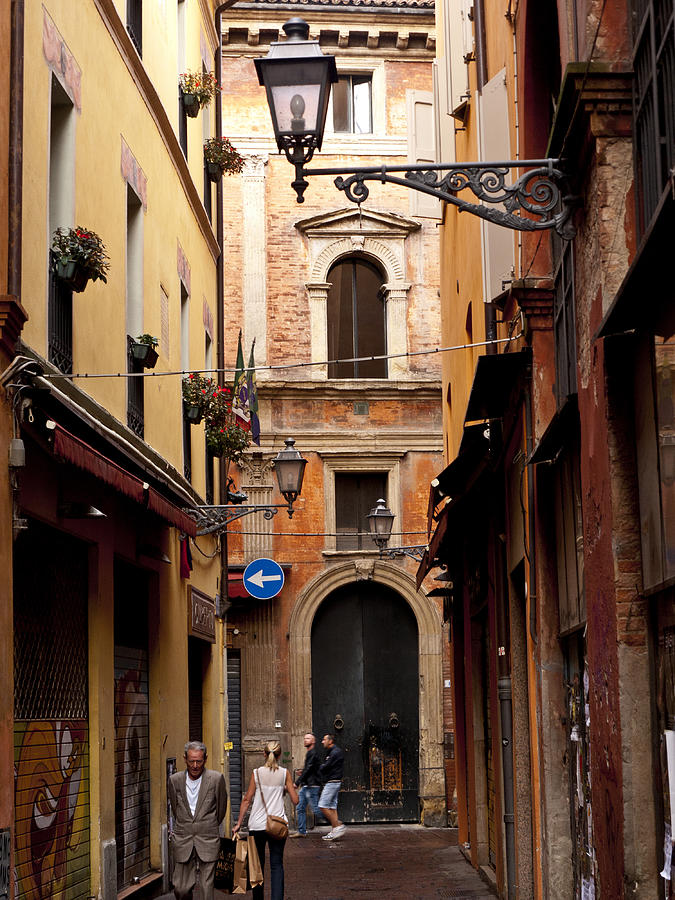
(112, 109)
(115, 102)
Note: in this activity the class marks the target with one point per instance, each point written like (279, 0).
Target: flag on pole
(253, 398)
(242, 415)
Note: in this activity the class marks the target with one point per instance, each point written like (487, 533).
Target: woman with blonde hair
(273, 781)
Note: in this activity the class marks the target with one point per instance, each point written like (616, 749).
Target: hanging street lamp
(380, 522)
(298, 77)
(289, 466)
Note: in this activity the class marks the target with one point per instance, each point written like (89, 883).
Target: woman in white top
(275, 781)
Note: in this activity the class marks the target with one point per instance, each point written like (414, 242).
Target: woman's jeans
(276, 865)
(306, 795)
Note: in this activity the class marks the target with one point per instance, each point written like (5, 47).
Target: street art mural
(132, 780)
(52, 814)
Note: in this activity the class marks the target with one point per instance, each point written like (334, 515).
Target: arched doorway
(365, 688)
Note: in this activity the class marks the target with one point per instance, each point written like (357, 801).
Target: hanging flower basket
(197, 90)
(214, 171)
(221, 157)
(193, 414)
(78, 256)
(196, 391)
(72, 274)
(224, 437)
(143, 349)
(190, 104)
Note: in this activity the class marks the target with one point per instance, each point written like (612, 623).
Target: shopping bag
(224, 877)
(255, 872)
(240, 866)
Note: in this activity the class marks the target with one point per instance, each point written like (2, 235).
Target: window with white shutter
(421, 148)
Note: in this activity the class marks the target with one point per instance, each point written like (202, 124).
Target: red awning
(72, 449)
(235, 586)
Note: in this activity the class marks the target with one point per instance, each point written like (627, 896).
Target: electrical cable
(271, 368)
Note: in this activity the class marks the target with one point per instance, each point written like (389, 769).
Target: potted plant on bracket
(144, 350)
(197, 391)
(197, 89)
(221, 157)
(79, 255)
(224, 437)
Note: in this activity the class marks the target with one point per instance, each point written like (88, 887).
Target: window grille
(135, 395)
(60, 322)
(135, 23)
(187, 447)
(564, 328)
(653, 103)
(50, 626)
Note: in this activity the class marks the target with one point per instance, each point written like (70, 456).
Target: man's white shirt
(192, 786)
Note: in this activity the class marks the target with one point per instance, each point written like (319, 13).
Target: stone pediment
(349, 221)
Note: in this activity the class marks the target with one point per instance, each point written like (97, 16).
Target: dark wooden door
(365, 690)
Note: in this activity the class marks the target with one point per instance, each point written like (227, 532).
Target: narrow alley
(406, 862)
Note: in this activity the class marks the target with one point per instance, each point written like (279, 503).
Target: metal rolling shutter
(132, 713)
(234, 730)
(51, 749)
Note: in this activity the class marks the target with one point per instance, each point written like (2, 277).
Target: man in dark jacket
(331, 770)
(310, 785)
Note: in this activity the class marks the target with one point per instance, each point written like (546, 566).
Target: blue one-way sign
(263, 578)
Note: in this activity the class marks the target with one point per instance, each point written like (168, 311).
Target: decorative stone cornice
(536, 304)
(593, 101)
(12, 319)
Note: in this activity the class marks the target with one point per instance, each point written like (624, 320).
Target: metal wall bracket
(535, 201)
(214, 519)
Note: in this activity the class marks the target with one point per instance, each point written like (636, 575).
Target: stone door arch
(431, 769)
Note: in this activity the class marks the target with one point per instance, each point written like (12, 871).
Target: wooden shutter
(422, 148)
(495, 144)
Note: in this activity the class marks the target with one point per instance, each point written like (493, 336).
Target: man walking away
(331, 770)
(310, 786)
(198, 799)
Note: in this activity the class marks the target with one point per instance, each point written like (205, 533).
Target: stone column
(396, 298)
(257, 483)
(254, 264)
(318, 302)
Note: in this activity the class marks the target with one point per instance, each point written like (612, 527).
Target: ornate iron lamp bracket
(214, 519)
(416, 551)
(535, 201)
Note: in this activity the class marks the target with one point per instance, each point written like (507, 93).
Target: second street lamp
(380, 521)
(289, 466)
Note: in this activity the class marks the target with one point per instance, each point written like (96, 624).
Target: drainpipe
(505, 712)
(532, 551)
(15, 151)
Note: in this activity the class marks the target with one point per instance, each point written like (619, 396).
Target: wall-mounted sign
(201, 616)
(263, 578)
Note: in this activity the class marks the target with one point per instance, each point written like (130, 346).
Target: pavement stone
(405, 862)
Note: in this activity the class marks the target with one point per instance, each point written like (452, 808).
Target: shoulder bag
(276, 827)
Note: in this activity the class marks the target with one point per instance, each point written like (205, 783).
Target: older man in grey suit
(198, 798)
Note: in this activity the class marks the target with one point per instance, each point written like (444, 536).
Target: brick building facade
(312, 284)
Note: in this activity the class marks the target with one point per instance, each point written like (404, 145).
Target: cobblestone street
(406, 862)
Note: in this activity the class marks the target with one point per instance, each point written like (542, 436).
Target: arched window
(356, 319)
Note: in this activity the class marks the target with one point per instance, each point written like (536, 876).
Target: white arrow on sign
(258, 579)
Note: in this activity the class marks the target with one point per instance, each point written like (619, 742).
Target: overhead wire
(276, 367)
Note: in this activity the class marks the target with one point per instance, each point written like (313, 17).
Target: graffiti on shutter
(132, 768)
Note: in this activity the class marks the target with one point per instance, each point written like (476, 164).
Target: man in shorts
(330, 771)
